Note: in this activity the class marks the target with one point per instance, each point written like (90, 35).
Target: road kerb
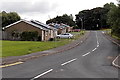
(114, 64)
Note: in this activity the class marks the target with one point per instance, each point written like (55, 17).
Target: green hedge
(29, 36)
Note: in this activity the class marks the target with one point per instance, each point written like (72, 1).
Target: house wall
(62, 31)
(21, 27)
(4, 35)
(52, 33)
(69, 29)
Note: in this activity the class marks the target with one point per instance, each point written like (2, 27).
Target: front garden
(18, 48)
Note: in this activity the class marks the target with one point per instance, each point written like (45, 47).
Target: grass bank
(116, 37)
(18, 48)
(108, 31)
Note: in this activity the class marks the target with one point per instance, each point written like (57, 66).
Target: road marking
(94, 49)
(68, 62)
(97, 38)
(86, 54)
(103, 32)
(113, 63)
(11, 64)
(97, 45)
(42, 74)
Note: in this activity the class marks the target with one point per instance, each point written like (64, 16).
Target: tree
(9, 18)
(91, 19)
(62, 19)
(95, 18)
(0, 21)
(114, 19)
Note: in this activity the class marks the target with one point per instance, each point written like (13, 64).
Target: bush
(29, 36)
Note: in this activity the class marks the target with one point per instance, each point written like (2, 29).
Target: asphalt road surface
(91, 59)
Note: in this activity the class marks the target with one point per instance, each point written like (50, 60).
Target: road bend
(91, 59)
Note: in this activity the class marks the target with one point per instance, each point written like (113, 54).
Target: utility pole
(81, 23)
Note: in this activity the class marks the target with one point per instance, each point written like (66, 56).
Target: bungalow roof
(35, 25)
(43, 25)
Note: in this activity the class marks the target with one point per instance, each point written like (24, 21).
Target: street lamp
(81, 22)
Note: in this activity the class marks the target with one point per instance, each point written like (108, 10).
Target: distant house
(68, 28)
(24, 25)
(62, 28)
(52, 31)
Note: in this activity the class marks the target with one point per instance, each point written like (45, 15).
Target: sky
(44, 10)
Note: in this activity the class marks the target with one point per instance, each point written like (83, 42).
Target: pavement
(91, 59)
(14, 59)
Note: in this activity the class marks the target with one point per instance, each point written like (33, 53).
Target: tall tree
(114, 19)
(95, 18)
(0, 21)
(8, 18)
(62, 19)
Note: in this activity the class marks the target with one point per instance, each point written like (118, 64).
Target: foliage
(114, 20)
(63, 19)
(95, 18)
(29, 35)
(0, 21)
(9, 18)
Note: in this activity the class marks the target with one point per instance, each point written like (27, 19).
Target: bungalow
(62, 28)
(52, 31)
(68, 28)
(24, 25)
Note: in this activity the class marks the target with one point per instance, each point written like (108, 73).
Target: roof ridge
(38, 26)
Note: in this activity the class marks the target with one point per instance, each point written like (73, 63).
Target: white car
(66, 35)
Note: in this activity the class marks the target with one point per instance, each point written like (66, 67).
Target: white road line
(42, 74)
(98, 45)
(113, 63)
(68, 62)
(94, 49)
(97, 38)
(86, 54)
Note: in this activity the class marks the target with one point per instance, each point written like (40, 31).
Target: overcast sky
(43, 10)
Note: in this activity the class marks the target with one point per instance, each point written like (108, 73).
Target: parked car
(66, 35)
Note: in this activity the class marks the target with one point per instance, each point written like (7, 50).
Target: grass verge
(108, 31)
(116, 37)
(18, 48)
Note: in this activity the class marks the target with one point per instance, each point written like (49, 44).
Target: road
(91, 59)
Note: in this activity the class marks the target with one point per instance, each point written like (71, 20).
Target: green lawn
(18, 48)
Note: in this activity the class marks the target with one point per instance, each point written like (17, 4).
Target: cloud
(23, 7)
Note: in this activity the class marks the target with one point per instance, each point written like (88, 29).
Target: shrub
(29, 35)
